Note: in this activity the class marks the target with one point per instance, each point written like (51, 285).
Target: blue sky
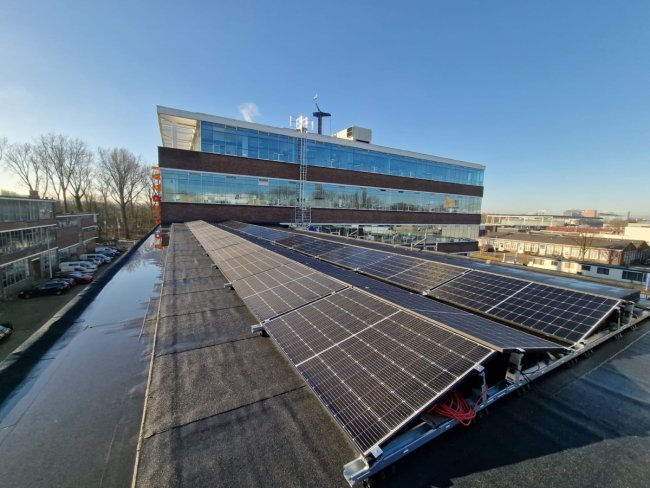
(553, 97)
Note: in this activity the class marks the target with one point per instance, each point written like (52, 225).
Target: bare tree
(3, 144)
(125, 176)
(584, 241)
(23, 161)
(54, 153)
(81, 168)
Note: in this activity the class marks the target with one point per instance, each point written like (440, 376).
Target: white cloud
(248, 110)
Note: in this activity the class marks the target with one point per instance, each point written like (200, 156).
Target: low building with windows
(217, 169)
(637, 275)
(580, 247)
(33, 239)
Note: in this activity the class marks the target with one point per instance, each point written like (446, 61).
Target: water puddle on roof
(75, 420)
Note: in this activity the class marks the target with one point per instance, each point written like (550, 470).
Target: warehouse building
(218, 169)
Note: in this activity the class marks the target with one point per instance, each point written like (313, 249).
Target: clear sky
(552, 96)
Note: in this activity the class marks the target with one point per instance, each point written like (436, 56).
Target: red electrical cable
(456, 407)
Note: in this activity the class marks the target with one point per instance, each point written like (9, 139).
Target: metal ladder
(302, 211)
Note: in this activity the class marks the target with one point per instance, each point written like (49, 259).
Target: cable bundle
(456, 407)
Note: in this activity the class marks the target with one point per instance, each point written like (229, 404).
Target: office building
(33, 239)
(218, 169)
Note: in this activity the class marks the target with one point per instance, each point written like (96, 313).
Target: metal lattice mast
(302, 216)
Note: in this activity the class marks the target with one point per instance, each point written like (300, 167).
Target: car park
(54, 287)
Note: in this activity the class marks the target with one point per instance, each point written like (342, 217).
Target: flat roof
(223, 405)
(184, 116)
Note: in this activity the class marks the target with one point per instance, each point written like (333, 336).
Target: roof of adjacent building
(569, 240)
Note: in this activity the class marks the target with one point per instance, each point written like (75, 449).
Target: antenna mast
(319, 114)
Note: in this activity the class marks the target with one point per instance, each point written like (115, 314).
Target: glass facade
(12, 241)
(238, 141)
(14, 273)
(405, 234)
(24, 210)
(214, 188)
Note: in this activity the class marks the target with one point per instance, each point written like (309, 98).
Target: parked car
(6, 330)
(67, 265)
(74, 267)
(78, 276)
(70, 281)
(54, 287)
(112, 250)
(101, 258)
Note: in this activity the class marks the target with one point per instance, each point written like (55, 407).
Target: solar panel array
(374, 366)
(565, 315)
(556, 312)
(267, 283)
(284, 288)
(494, 334)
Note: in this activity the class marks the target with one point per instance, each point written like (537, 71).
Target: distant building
(638, 231)
(33, 239)
(579, 247)
(622, 274)
(525, 222)
(608, 216)
(218, 169)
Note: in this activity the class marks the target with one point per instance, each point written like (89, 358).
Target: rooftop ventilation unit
(355, 133)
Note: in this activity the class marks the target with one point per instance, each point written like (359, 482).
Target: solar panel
(293, 240)
(316, 247)
(353, 257)
(557, 312)
(374, 366)
(252, 264)
(389, 266)
(271, 278)
(282, 289)
(265, 233)
(426, 275)
(500, 336)
(233, 224)
(477, 290)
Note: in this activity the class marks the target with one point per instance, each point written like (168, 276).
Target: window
(603, 271)
(633, 276)
(585, 267)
